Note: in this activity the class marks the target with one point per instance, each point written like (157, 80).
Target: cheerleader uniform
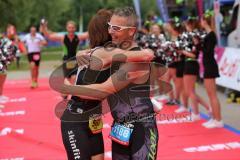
(191, 66)
(209, 62)
(180, 67)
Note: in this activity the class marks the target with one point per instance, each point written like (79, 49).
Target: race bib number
(36, 57)
(95, 124)
(121, 133)
(70, 64)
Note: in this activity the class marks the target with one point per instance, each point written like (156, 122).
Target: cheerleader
(156, 30)
(191, 70)
(11, 33)
(175, 71)
(211, 71)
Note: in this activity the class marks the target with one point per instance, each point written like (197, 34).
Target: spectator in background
(11, 33)
(34, 41)
(176, 69)
(70, 42)
(191, 71)
(211, 71)
(156, 30)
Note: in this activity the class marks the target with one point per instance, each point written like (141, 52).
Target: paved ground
(230, 112)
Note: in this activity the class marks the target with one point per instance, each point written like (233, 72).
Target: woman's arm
(83, 57)
(188, 54)
(83, 36)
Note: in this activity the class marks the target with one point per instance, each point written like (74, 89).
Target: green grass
(48, 54)
(51, 49)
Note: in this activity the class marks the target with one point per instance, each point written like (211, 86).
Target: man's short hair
(129, 13)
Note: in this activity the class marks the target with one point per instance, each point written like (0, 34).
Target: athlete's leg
(32, 71)
(148, 150)
(96, 140)
(3, 77)
(98, 157)
(189, 85)
(171, 75)
(210, 86)
(76, 141)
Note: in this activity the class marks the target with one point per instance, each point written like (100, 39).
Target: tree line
(25, 13)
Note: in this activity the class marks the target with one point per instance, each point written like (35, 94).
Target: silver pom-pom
(7, 53)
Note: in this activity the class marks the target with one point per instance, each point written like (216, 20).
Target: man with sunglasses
(141, 134)
(134, 131)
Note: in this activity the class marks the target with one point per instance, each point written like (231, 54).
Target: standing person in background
(175, 71)
(191, 71)
(34, 41)
(156, 32)
(11, 33)
(211, 71)
(70, 43)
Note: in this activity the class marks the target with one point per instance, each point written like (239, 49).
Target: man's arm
(119, 55)
(127, 73)
(51, 35)
(102, 58)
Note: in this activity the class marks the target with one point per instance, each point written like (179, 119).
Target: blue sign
(163, 10)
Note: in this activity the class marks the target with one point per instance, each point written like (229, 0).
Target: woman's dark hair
(98, 28)
(193, 22)
(176, 25)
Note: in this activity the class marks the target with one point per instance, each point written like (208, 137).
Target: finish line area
(30, 130)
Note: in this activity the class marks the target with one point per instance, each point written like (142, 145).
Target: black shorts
(172, 65)
(69, 67)
(211, 71)
(180, 69)
(79, 142)
(159, 60)
(191, 68)
(34, 57)
(143, 143)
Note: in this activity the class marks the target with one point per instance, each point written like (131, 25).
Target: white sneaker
(207, 123)
(195, 117)
(161, 97)
(1, 107)
(157, 106)
(215, 124)
(180, 110)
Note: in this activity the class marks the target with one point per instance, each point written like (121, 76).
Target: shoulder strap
(94, 49)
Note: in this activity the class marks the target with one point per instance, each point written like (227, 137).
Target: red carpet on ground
(29, 130)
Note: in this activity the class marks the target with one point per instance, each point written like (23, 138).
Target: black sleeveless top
(209, 43)
(81, 109)
(70, 47)
(132, 101)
